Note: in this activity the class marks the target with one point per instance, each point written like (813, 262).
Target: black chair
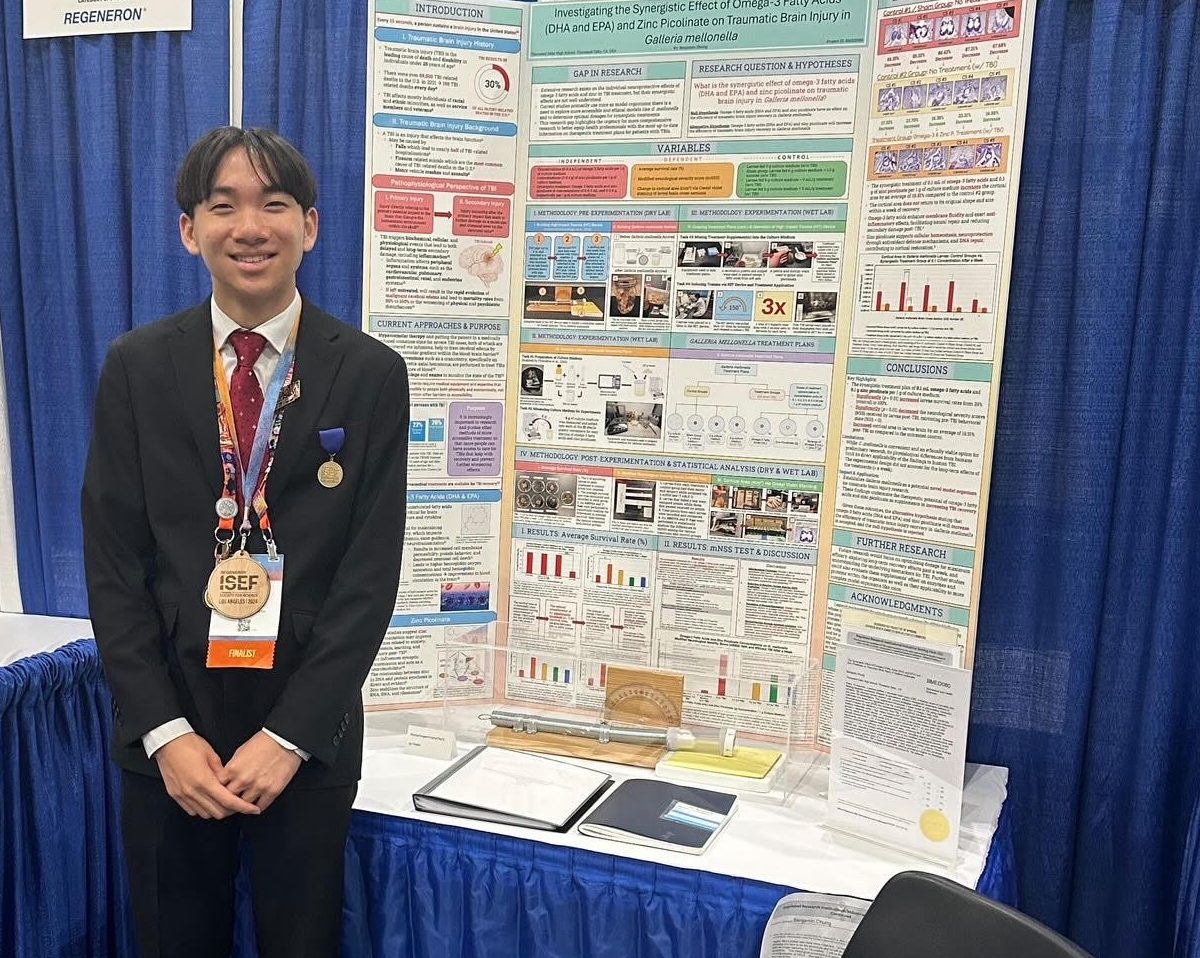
(925, 916)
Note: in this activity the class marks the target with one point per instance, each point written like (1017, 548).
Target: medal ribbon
(332, 440)
(252, 488)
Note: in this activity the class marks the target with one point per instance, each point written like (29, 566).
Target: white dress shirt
(276, 331)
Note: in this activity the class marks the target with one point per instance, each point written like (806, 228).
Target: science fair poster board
(703, 305)
(78, 18)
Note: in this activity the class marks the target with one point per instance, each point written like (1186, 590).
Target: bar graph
(618, 571)
(599, 677)
(722, 683)
(540, 670)
(932, 289)
(768, 688)
(765, 691)
(569, 674)
(546, 563)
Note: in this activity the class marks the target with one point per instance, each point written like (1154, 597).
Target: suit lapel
(318, 359)
(191, 351)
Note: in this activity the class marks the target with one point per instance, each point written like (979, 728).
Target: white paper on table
(517, 783)
(808, 925)
(899, 750)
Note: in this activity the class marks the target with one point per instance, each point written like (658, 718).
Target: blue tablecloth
(412, 888)
(1187, 923)
(62, 877)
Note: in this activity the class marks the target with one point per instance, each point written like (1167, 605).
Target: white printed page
(808, 925)
(899, 748)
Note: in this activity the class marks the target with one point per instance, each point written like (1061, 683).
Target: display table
(417, 885)
(423, 885)
(24, 635)
(764, 841)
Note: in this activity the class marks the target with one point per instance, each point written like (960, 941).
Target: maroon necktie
(245, 393)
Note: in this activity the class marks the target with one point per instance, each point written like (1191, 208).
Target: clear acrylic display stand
(730, 724)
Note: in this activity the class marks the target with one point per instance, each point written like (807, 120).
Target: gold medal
(238, 587)
(330, 474)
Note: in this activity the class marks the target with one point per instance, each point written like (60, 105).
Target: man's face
(251, 238)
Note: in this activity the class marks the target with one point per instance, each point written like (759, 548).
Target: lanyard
(251, 491)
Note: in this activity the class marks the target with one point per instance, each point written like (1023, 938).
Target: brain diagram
(483, 262)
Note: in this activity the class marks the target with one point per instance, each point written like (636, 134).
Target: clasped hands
(195, 778)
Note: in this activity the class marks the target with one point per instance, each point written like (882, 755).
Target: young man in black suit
(253, 418)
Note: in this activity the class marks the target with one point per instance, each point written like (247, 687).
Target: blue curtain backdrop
(1088, 668)
(306, 76)
(95, 128)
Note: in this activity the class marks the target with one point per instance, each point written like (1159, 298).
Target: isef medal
(330, 473)
(238, 587)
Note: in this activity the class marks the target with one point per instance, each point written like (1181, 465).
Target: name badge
(249, 643)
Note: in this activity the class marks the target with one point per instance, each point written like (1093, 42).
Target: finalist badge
(238, 587)
(330, 474)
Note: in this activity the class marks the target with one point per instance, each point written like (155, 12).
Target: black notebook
(646, 811)
(513, 788)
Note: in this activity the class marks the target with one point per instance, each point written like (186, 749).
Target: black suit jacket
(153, 477)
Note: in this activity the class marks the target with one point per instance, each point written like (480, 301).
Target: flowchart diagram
(747, 406)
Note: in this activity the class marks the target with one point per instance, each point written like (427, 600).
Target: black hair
(277, 163)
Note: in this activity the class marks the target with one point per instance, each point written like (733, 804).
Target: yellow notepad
(745, 762)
